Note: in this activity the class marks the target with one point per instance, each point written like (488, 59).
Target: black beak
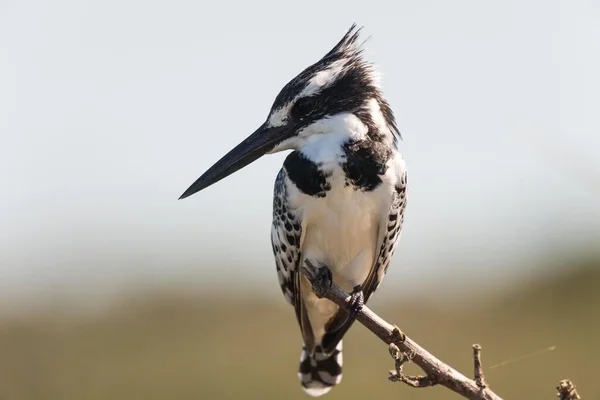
(251, 149)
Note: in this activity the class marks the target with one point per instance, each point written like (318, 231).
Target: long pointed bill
(251, 149)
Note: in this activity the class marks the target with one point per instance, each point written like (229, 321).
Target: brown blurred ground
(178, 347)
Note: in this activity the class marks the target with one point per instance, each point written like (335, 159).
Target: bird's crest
(348, 44)
(344, 57)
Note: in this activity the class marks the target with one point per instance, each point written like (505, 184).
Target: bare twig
(396, 375)
(566, 390)
(404, 349)
(479, 377)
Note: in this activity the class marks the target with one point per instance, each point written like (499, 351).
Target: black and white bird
(339, 199)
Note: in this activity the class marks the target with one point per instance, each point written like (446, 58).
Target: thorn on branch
(479, 377)
(566, 390)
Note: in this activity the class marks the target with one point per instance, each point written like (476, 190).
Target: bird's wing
(389, 232)
(286, 238)
(390, 227)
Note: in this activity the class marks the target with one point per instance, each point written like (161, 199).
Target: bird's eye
(303, 107)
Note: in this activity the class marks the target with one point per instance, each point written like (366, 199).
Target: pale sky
(111, 109)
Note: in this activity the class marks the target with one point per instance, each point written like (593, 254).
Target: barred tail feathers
(321, 372)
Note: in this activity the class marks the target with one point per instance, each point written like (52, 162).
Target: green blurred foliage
(178, 347)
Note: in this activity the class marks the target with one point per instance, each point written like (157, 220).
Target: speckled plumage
(287, 234)
(339, 201)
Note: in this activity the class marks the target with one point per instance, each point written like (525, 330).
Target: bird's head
(340, 90)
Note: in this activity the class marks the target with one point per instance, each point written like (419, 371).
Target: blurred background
(111, 288)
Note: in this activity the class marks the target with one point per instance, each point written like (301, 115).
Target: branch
(404, 349)
(566, 390)
(479, 378)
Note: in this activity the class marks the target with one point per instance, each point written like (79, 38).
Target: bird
(339, 198)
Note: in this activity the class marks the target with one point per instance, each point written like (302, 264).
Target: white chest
(341, 229)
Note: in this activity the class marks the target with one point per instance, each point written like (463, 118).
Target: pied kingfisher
(338, 201)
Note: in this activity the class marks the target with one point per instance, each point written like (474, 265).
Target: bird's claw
(357, 301)
(322, 282)
(320, 278)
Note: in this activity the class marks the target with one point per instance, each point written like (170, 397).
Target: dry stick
(566, 390)
(438, 373)
(479, 377)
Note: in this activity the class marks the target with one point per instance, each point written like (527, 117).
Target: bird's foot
(357, 301)
(320, 278)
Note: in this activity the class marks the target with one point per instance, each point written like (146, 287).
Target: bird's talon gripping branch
(357, 301)
(323, 282)
(320, 278)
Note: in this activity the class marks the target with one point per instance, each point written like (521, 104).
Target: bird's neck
(328, 150)
(329, 142)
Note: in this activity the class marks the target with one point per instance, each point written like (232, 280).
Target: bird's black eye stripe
(303, 106)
